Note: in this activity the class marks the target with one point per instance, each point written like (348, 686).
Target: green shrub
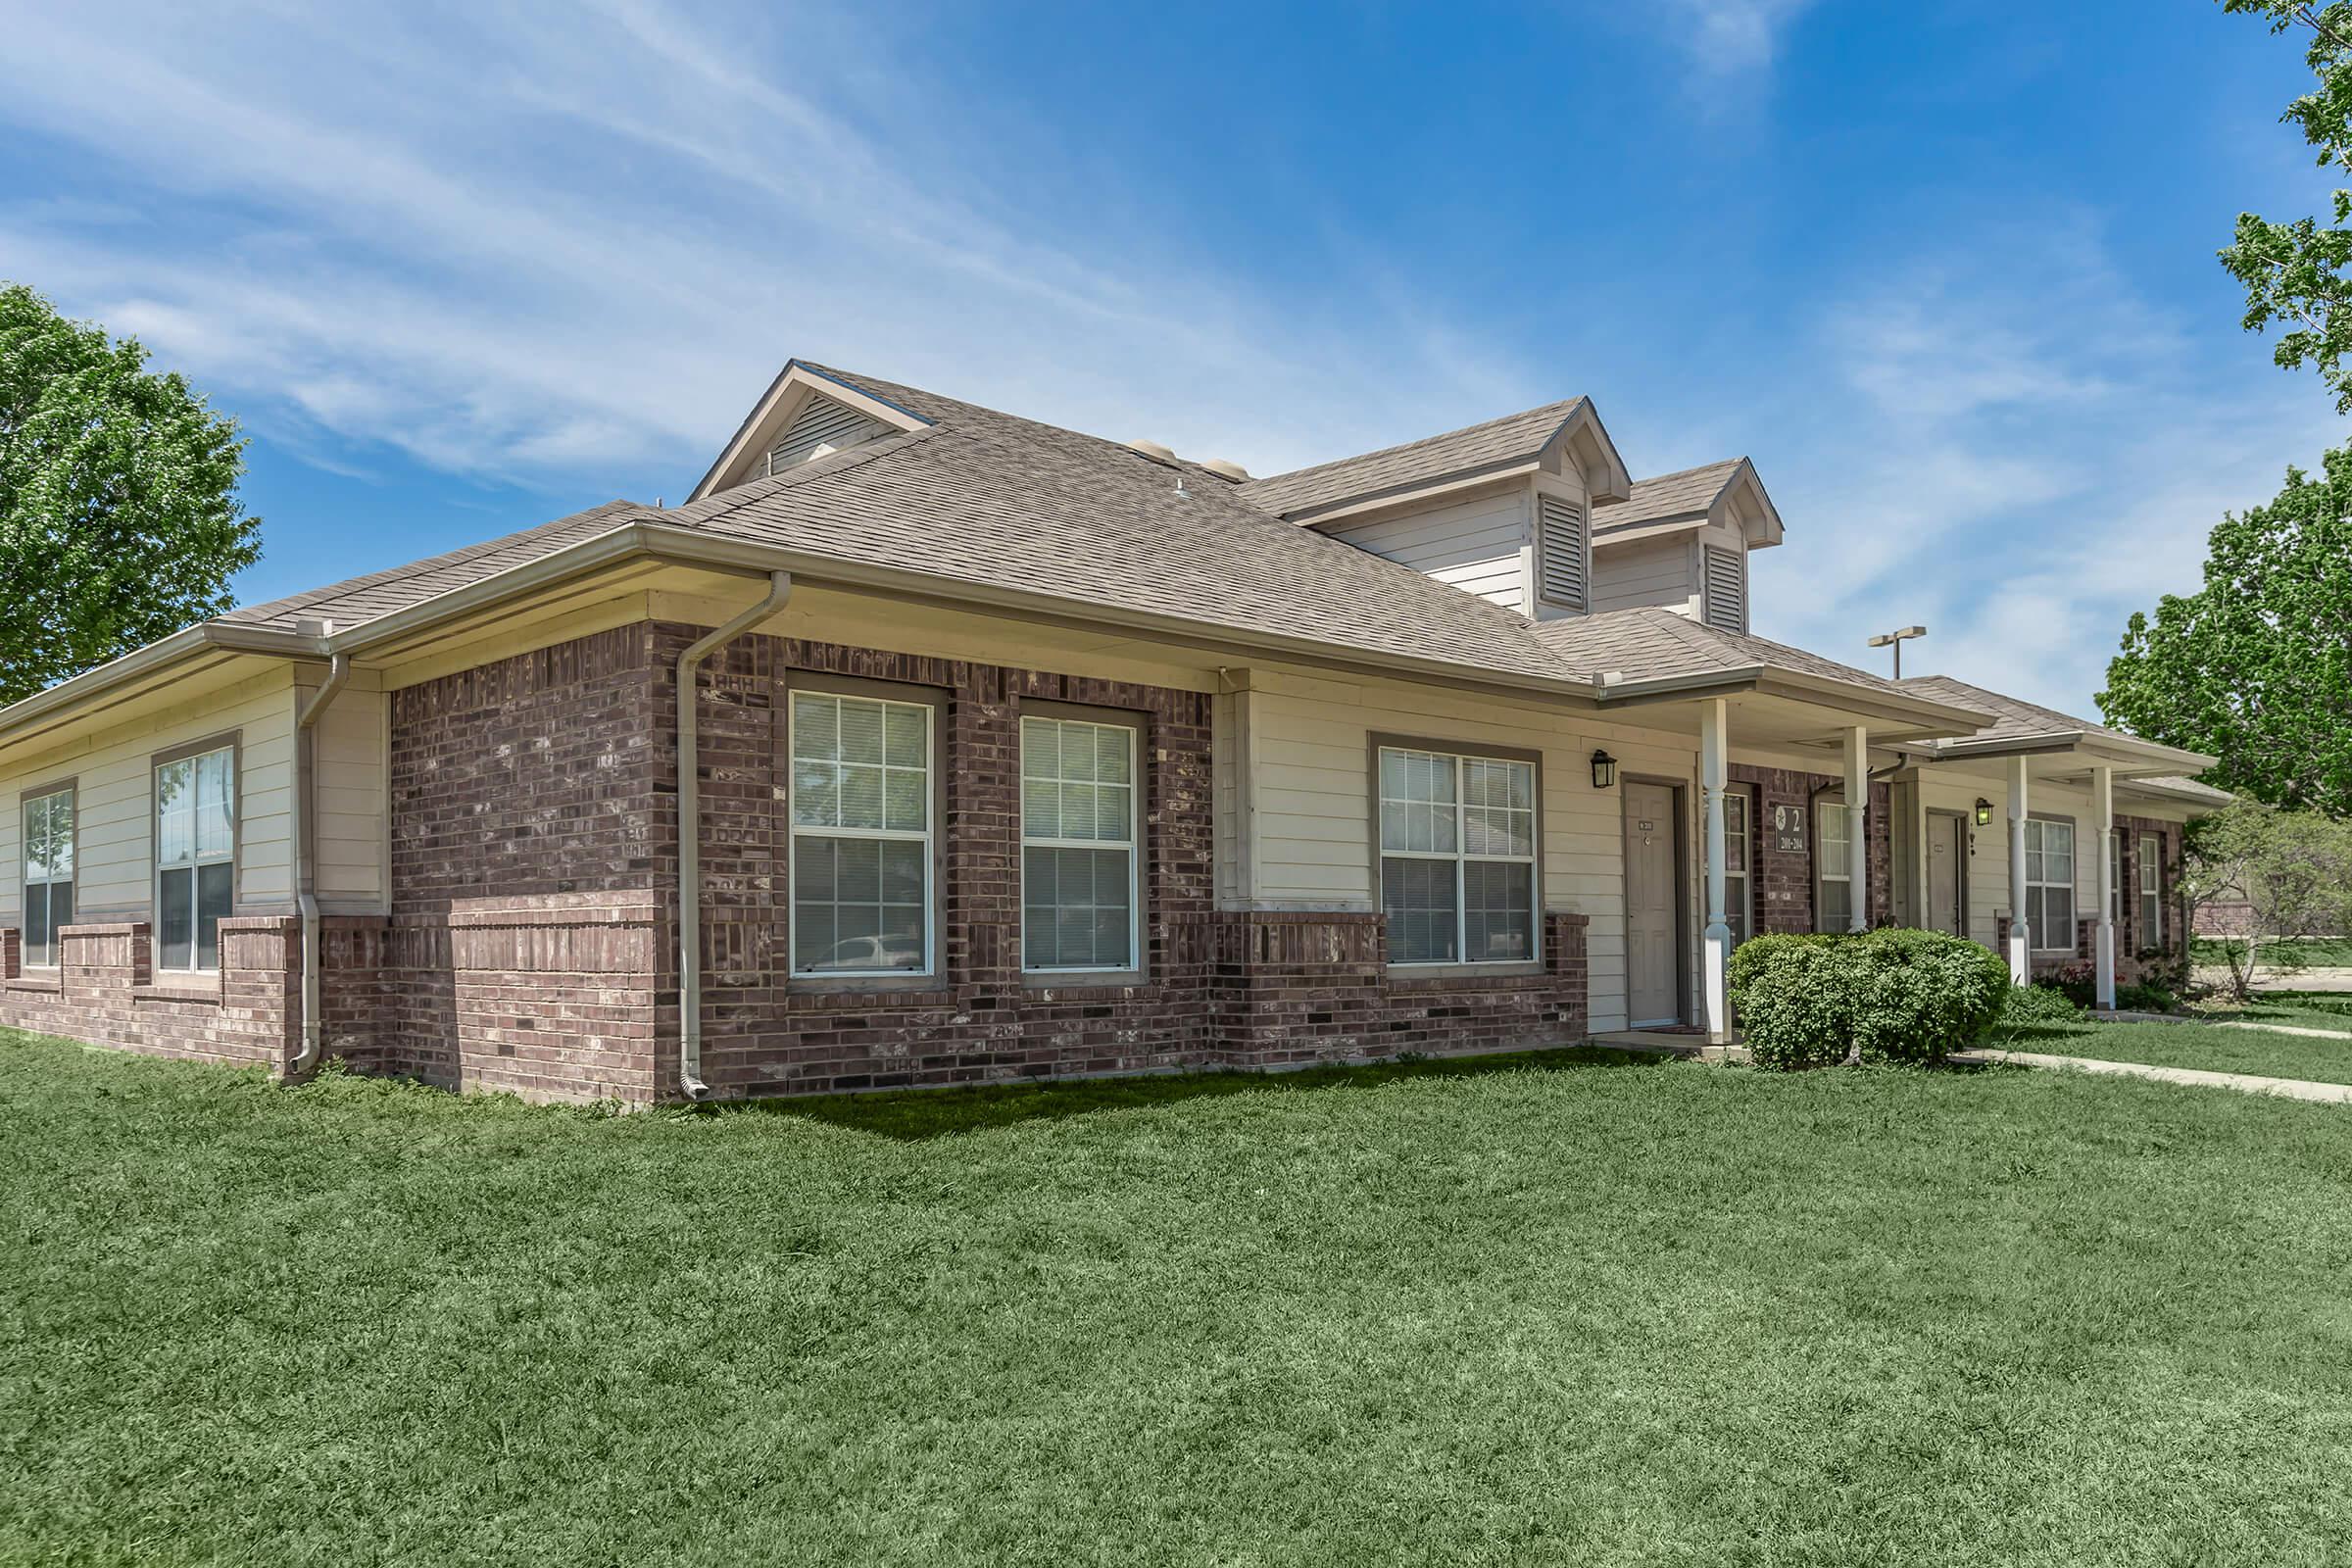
(2145, 997)
(2027, 1006)
(1895, 996)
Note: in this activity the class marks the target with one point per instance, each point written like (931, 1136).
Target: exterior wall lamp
(1604, 770)
(1983, 811)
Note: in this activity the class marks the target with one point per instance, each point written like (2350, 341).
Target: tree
(120, 521)
(2256, 667)
(2295, 273)
(2291, 870)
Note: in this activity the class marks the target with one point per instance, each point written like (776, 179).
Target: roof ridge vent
(1157, 451)
(1226, 468)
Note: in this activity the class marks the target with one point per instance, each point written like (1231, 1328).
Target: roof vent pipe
(690, 832)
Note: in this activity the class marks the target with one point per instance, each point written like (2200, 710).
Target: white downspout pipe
(690, 832)
(306, 785)
(1716, 945)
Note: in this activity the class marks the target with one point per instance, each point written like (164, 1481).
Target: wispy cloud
(1730, 37)
(514, 252)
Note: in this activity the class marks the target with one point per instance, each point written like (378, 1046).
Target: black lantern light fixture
(1604, 770)
(1983, 811)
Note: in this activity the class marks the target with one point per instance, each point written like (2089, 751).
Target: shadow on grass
(2037, 1036)
(913, 1114)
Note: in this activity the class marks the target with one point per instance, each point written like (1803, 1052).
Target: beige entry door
(1653, 880)
(1948, 854)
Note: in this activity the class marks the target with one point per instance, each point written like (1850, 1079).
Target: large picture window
(2151, 890)
(1457, 858)
(48, 874)
(2050, 884)
(861, 871)
(1833, 857)
(195, 857)
(1078, 845)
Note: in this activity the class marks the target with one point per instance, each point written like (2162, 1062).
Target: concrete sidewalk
(2247, 1083)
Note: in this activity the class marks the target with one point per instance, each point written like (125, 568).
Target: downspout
(690, 833)
(306, 783)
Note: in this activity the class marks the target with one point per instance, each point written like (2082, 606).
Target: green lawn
(2330, 952)
(2191, 1045)
(1570, 1313)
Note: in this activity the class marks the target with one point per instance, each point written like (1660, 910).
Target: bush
(2145, 997)
(2080, 980)
(1894, 995)
(2025, 1006)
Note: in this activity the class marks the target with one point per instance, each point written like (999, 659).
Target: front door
(1653, 881)
(1948, 854)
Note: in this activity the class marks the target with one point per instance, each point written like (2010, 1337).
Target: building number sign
(1788, 829)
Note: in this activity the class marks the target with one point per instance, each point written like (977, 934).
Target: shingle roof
(2188, 787)
(1514, 435)
(2016, 719)
(1687, 494)
(379, 593)
(1652, 642)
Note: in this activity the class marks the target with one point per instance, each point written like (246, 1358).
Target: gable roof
(1652, 645)
(1496, 444)
(2020, 726)
(1685, 499)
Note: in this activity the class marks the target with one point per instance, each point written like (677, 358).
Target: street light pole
(1895, 639)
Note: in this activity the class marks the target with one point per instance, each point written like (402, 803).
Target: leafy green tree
(2256, 667)
(120, 521)
(2295, 273)
(2292, 872)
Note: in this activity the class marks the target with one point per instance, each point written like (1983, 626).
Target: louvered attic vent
(1726, 589)
(1562, 555)
(824, 426)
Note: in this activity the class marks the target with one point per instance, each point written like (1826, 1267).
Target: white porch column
(1857, 817)
(1716, 946)
(2102, 806)
(2020, 935)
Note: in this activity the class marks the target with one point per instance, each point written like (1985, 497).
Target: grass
(2317, 951)
(2199, 1046)
(1554, 1311)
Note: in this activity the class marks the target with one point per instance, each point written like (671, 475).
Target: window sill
(807, 995)
(1091, 985)
(49, 984)
(1409, 975)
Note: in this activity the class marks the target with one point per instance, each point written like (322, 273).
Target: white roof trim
(783, 401)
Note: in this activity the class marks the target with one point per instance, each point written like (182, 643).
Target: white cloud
(1731, 37)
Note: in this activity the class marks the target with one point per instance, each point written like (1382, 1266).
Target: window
(48, 874)
(1833, 859)
(2151, 890)
(1078, 837)
(1562, 553)
(1738, 898)
(195, 857)
(2050, 884)
(861, 867)
(1457, 858)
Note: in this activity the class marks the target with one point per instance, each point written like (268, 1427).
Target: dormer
(807, 413)
(1502, 509)
(1681, 541)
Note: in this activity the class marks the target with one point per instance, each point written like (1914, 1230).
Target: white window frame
(1828, 868)
(793, 831)
(198, 858)
(56, 949)
(1133, 846)
(2151, 889)
(1460, 856)
(1740, 898)
(2037, 903)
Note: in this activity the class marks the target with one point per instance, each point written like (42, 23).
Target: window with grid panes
(1457, 856)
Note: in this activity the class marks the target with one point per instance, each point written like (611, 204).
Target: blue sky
(1944, 271)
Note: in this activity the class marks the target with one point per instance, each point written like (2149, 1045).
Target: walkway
(2285, 1088)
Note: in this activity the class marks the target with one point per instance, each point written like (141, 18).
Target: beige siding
(1478, 545)
(1652, 572)
(112, 769)
(352, 797)
(1312, 751)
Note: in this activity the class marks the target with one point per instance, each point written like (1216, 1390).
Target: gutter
(690, 832)
(306, 785)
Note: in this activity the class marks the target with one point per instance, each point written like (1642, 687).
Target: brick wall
(1784, 882)
(105, 990)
